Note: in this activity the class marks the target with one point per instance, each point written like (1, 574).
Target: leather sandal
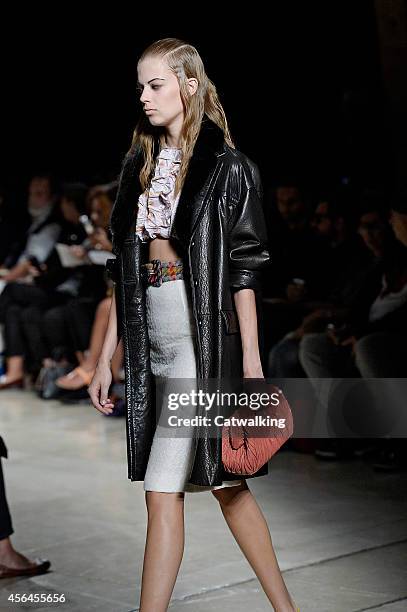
(5, 384)
(38, 566)
(83, 374)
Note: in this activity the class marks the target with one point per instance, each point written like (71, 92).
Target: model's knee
(228, 495)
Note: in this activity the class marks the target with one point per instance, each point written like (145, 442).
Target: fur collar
(209, 145)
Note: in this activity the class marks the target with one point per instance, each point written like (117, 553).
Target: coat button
(195, 283)
(200, 321)
(192, 243)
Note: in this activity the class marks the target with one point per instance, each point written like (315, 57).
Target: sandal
(6, 384)
(83, 374)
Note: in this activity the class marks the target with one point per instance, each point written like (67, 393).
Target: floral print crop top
(157, 204)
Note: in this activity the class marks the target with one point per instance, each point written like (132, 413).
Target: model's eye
(155, 86)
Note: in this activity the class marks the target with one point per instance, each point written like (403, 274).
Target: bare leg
(15, 367)
(98, 331)
(249, 527)
(164, 549)
(88, 359)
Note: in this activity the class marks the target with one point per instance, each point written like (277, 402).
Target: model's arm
(245, 302)
(111, 338)
(101, 381)
(248, 256)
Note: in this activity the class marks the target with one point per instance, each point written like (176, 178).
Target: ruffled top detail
(156, 205)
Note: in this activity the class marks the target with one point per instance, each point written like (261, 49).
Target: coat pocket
(231, 321)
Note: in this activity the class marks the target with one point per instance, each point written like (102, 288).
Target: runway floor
(339, 529)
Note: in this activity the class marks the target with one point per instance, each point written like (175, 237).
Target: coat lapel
(200, 170)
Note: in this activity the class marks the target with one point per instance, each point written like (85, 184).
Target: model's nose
(143, 97)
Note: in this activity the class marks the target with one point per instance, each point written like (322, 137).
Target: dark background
(301, 86)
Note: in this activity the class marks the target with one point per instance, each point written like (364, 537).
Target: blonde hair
(184, 60)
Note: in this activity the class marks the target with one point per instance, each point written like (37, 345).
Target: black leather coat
(220, 232)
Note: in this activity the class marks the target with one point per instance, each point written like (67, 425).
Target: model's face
(159, 93)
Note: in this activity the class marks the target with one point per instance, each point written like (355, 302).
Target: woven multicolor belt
(156, 272)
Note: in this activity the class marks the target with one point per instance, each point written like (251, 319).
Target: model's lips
(149, 110)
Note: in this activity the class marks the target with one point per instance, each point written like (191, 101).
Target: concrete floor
(339, 530)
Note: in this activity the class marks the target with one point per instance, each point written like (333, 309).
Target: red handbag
(246, 447)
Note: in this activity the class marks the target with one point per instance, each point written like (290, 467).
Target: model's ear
(192, 85)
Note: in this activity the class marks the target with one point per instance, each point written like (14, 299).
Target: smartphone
(87, 224)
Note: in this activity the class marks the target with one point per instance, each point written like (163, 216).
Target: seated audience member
(371, 342)
(81, 323)
(300, 264)
(23, 303)
(354, 267)
(41, 235)
(14, 223)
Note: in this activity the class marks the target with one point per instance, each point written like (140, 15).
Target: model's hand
(99, 387)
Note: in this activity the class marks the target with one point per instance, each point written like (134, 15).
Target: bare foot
(15, 560)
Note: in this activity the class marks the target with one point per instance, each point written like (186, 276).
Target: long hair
(184, 60)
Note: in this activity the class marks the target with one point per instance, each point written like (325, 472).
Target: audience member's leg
(54, 329)
(13, 563)
(6, 527)
(80, 318)
(81, 376)
(381, 355)
(324, 362)
(283, 359)
(36, 349)
(14, 344)
(21, 294)
(321, 358)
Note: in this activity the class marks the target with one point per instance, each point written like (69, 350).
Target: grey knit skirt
(171, 333)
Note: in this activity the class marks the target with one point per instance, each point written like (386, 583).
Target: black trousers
(70, 325)
(21, 310)
(6, 527)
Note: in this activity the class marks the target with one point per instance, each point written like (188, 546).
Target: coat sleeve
(248, 244)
